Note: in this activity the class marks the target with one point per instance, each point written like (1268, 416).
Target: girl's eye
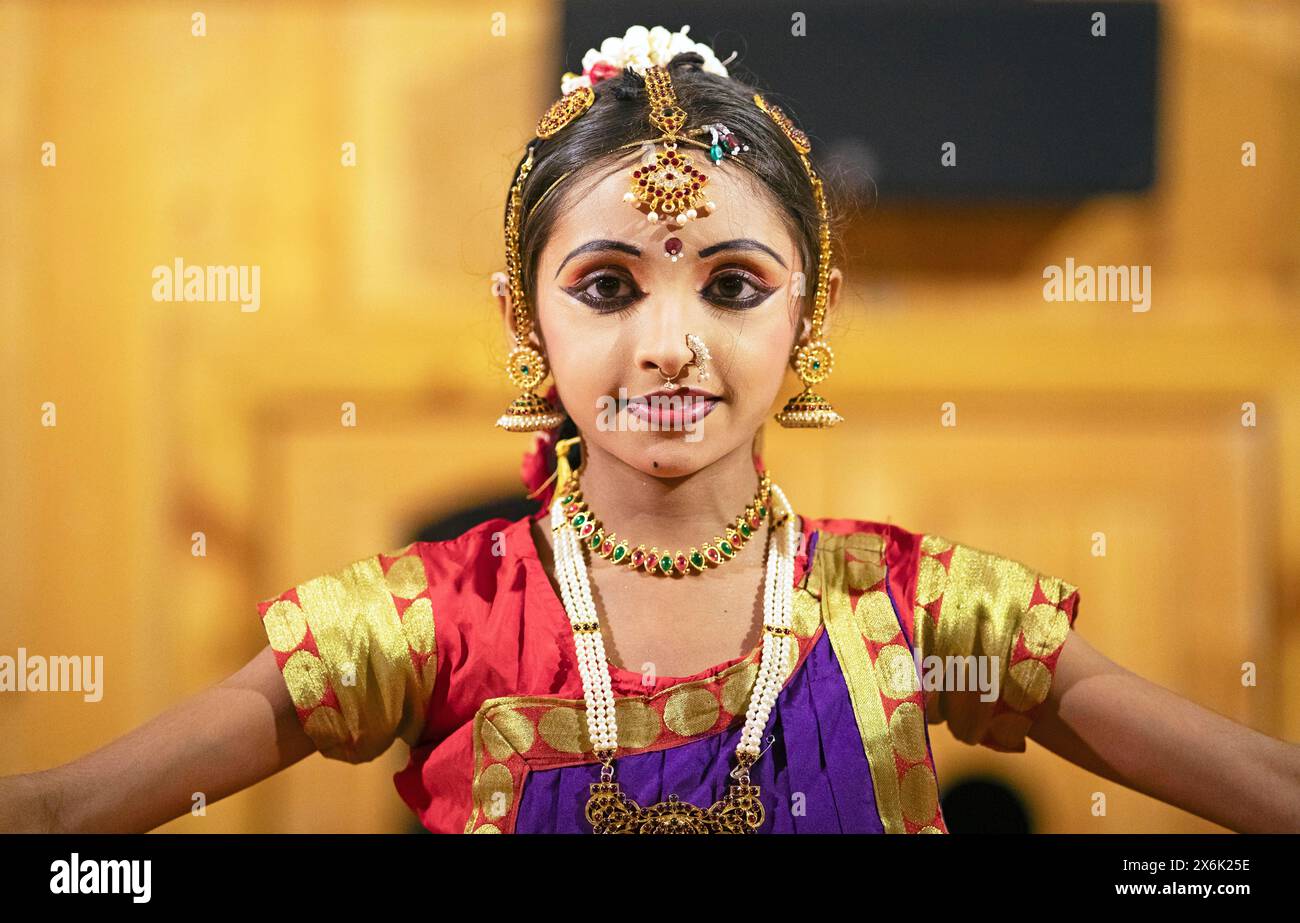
(610, 293)
(602, 292)
(737, 290)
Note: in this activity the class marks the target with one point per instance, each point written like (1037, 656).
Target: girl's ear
(834, 287)
(805, 330)
(501, 290)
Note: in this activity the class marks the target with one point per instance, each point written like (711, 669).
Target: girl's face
(614, 310)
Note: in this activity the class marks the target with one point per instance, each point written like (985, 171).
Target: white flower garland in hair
(639, 49)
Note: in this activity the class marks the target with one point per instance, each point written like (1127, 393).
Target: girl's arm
(1122, 727)
(218, 741)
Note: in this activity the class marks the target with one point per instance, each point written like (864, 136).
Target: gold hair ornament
(525, 366)
(667, 183)
(814, 360)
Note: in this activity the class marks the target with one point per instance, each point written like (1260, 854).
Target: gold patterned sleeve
(987, 632)
(356, 650)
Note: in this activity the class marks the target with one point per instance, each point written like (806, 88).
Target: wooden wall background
(174, 418)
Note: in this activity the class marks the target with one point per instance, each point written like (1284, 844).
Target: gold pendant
(610, 811)
(669, 186)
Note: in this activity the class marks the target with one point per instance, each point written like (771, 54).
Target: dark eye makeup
(733, 289)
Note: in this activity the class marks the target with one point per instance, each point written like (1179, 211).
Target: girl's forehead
(745, 208)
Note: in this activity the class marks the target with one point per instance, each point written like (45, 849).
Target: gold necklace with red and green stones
(654, 561)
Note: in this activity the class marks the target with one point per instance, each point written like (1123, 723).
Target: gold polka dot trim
(973, 602)
(562, 729)
(494, 791)
(285, 624)
(406, 577)
(305, 676)
(919, 794)
(360, 671)
(417, 625)
(691, 711)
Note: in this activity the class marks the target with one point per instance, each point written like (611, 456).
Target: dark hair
(620, 116)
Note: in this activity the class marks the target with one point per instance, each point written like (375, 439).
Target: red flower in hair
(603, 70)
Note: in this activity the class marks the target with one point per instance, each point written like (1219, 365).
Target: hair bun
(629, 85)
(691, 59)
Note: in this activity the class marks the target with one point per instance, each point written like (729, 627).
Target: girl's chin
(672, 454)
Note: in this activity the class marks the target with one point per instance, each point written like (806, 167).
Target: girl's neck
(672, 512)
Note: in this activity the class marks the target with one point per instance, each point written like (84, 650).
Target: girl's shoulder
(866, 538)
(925, 552)
(360, 645)
(476, 554)
(927, 573)
(958, 608)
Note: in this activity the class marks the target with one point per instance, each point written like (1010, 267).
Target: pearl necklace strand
(593, 665)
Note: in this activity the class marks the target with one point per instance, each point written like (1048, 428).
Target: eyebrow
(745, 243)
(605, 246)
(597, 246)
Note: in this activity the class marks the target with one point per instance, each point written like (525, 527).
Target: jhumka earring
(525, 366)
(814, 360)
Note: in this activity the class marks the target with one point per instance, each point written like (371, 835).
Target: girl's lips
(672, 412)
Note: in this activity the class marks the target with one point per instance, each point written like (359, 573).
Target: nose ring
(701, 354)
(699, 358)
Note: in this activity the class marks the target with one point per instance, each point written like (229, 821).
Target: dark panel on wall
(1039, 108)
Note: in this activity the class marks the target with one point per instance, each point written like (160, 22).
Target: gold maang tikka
(667, 183)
